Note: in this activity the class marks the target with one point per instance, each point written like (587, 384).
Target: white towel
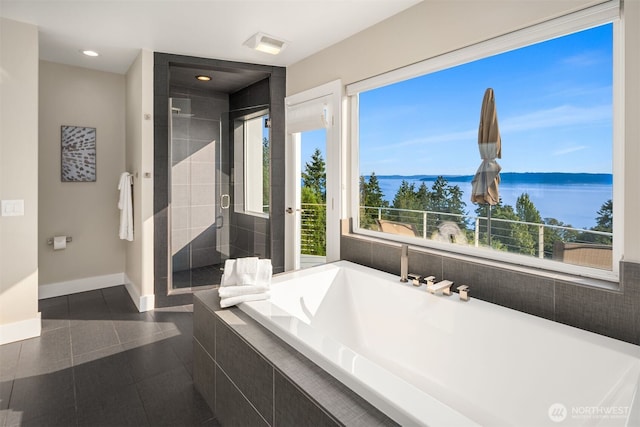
(265, 271)
(228, 302)
(125, 204)
(247, 270)
(235, 291)
(262, 276)
(229, 278)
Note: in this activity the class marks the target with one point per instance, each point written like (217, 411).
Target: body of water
(572, 203)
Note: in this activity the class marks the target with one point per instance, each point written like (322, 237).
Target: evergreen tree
(505, 235)
(375, 197)
(315, 175)
(604, 222)
(313, 240)
(527, 212)
(314, 216)
(445, 198)
(371, 197)
(407, 199)
(424, 197)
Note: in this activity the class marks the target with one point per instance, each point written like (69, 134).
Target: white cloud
(568, 150)
(556, 117)
(562, 116)
(585, 59)
(468, 135)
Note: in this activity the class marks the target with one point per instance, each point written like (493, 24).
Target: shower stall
(217, 157)
(199, 237)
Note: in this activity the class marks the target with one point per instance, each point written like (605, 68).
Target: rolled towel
(228, 302)
(234, 291)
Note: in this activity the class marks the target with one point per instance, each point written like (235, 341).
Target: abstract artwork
(78, 154)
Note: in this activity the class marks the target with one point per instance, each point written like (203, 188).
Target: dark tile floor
(99, 362)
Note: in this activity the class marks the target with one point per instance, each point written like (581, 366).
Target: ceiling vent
(265, 43)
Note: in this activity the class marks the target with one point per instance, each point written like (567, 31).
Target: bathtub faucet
(443, 287)
(404, 263)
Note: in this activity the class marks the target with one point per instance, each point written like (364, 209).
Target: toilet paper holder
(50, 240)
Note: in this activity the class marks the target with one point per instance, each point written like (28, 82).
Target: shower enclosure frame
(164, 296)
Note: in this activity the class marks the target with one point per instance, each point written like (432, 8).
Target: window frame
(609, 12)
(240, 179)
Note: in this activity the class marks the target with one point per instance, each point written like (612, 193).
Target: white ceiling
(205, 28)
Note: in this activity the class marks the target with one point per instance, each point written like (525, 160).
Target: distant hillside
(555, 178)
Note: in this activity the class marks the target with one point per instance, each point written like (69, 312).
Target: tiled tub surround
(612, 311)
(434, 360)
(248, 376)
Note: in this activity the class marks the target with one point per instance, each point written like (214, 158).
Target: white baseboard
(80, 285)
(18, 331)
(143, 302)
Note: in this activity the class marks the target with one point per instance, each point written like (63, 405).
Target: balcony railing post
(541, 241)
(476, 233)
(424, 224)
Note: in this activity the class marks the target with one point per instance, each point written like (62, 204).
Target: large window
(419, 151)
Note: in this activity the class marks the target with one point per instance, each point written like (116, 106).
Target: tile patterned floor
(99, 362)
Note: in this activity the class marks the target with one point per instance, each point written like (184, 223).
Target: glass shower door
(195, 225)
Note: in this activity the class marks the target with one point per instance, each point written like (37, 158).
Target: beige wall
(632, 132)
(428, 29)
(139, 158)
(86, 211)
(435, 27)
(19, 178)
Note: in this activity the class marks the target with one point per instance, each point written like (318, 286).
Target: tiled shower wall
(614, 312)
(195, 138)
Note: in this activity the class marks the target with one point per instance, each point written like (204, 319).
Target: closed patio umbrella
(484, 187)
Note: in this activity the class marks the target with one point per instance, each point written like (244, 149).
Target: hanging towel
(125, 204)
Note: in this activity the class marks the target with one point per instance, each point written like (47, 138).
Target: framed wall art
(78, 154)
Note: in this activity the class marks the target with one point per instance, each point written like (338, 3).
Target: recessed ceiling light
(265, 43)
(203, 78)
(90, 52)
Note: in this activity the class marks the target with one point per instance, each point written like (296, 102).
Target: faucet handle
(463, 292)
(414, 279)
(429, 280)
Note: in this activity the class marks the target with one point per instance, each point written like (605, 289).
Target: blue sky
(554, 102)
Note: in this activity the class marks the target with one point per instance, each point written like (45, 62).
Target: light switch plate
(12, 207)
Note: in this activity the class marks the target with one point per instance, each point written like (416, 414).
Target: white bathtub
(435, 360)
